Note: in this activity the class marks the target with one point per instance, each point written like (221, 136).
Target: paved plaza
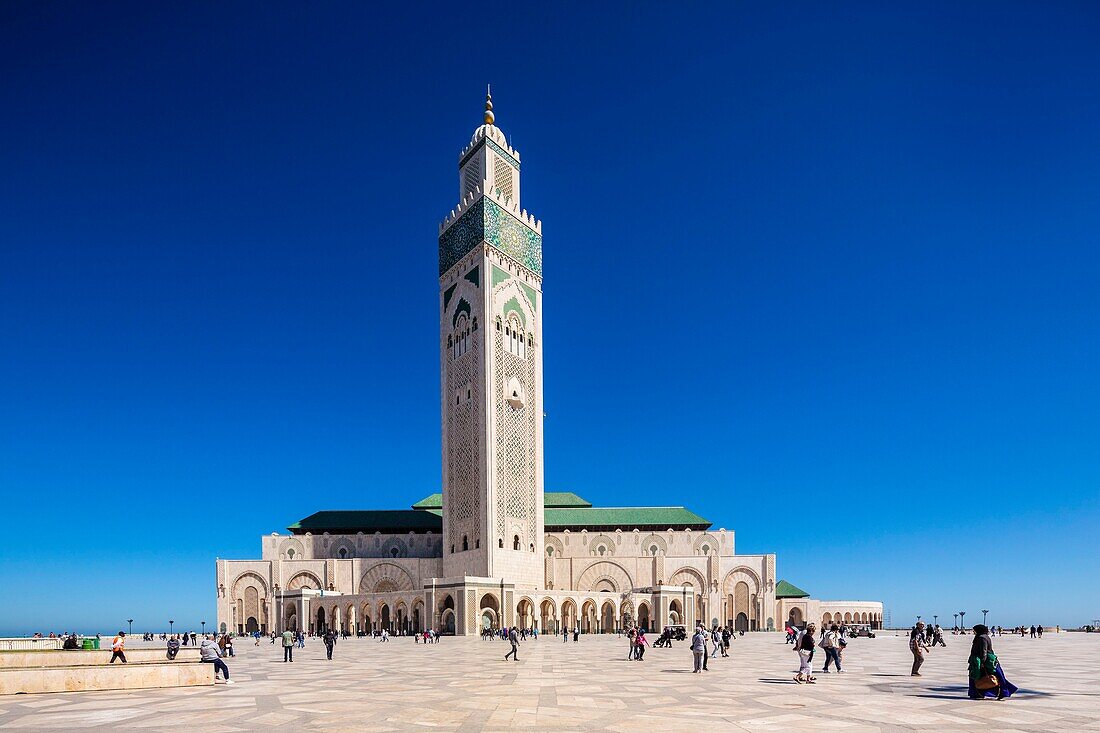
(464, 684)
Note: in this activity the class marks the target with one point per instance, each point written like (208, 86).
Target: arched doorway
(321, 626)
(384, 616)
(549, 622)
(569, 614)
(490, 612)
(525, 614)
(795, 617)
(588, 617)
(251, 626)
(675, 613)
(607, 617)
(643, 617)
(741, 623)
(626, 615)
(447, 615)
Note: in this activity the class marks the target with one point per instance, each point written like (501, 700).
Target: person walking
(716, 642)
(986, 678)
(330, 643)
(640, 644)
(288, 646)
(698, 649)
(918, 647)
(513, 639)
(576, 633)
(209, 652)
(631, 652)
(830, 642)
(118, 647)
(726, 633)
(804, 645)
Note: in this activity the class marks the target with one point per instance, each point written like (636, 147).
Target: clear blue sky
(825, 274)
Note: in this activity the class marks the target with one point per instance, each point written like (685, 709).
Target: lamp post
(204, 628)
(170, 623)
(962, 621)
(956, 621)
(984, 612)
(131, 622)
(935, 619)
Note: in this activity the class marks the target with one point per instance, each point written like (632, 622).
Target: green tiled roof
(783, 589)
(431, 501)
(563, 500)
(550, 500)
(386, 521)
(624, 518)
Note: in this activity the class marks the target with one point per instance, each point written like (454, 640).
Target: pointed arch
(385, 577)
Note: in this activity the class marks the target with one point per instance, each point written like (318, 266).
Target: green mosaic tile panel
(485, 221)
(513, 305)
(530, 293)
(499, 276)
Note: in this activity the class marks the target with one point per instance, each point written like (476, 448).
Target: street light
(204, 628)
(956, 621)
(131, 622)
(935, 619)
(170, 627)
(962, 621)
(984, 612)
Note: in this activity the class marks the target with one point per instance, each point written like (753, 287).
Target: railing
(27, 644)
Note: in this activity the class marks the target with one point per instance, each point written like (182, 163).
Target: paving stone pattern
(465, 685)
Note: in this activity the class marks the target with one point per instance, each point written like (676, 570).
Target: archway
(525, 614)
(489, 614)
(741, 623)
(447, 615)
(448, 621)
(569, 614)
(548, 620)
(588, 616)
(795, 617)
(675, 613)
(643, 616)
(321, 626)
(626, 615)
(251, 626)
(384, 616)
(290, 617)
(607, 617)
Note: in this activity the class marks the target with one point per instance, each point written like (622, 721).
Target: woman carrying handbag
(987, 679)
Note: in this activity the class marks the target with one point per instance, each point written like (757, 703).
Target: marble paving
(465, 685)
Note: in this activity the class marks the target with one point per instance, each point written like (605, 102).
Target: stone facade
(494, 548)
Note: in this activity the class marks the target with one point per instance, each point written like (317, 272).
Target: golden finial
(489, 117)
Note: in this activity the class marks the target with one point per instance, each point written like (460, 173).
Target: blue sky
(827, 275)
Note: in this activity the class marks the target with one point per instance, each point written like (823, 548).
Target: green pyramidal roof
(783, 589)
(626, 518)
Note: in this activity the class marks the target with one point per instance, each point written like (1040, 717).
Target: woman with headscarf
(987, 679)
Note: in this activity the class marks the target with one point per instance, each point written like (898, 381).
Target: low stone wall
(133, 676)
(9, 643)
(90, 658)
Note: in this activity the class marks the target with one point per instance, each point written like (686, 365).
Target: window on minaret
(465, 543)
(515, 542)
(459, 341)
(514, 338)
(471, 177)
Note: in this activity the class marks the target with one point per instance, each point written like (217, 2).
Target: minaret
(490, 335)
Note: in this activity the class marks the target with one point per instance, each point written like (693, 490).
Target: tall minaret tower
(490, 337)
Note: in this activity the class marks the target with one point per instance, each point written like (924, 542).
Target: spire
(489, 118)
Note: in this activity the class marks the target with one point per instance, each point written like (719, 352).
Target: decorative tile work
(510, 236)
(474, 276)
(530, 293)
(499, 276)
(462, 236)
(492, 145)
(513, 305)
(485, 221)
(447, 295)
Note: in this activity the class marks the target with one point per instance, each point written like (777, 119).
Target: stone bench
(89, 658)
(102, 676)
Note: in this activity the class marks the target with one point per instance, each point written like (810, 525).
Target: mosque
(495, 548)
